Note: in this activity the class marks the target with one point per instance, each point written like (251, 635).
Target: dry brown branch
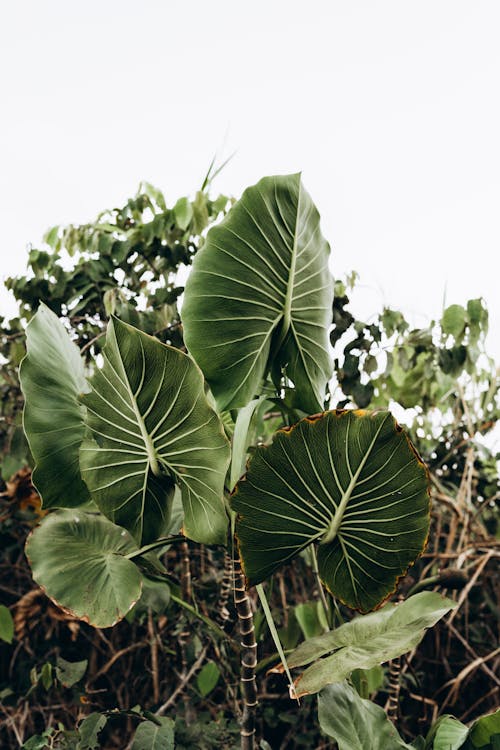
(465, 591)
(117, 655)
(457, 681)
(153, 644)
(183, 683)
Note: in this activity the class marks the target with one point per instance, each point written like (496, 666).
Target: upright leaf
(52, 379)
(153, 428)
(350, 480)
(260, 294)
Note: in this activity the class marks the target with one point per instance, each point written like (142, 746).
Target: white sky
(390, 108)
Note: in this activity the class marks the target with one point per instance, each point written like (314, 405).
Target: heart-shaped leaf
(350, 480)
(52, 378)
(260, 293)
(154, 428)
(79, 559)
(367, 641)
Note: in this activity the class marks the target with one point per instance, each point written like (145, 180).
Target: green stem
(275, 636)
(321, 590)
(154, 545)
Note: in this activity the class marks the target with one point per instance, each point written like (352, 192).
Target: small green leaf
(483, 730)
(368, 681)
(52, 237)
(454, 320)
(79, 560)
(477, 313)
(89, 730)
(46, 676)
(152, 736)
(70, 672)
(38, 741)
(6, 624)
(448, 734)
(200, 212)
(308, 618)
(208, 678)
(356, 724)
(183, 212)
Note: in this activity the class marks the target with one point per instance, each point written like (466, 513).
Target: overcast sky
(391, 109)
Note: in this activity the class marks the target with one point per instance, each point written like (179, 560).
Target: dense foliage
(261, 344)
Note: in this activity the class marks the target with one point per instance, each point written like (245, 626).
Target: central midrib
(148, 442)
(287, 308)
(334, 526)
(287, 313)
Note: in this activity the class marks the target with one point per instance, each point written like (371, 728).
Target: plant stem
(248, 657)
(154, 545)
(321, 590)
(153, 645)
(222, 616)
(276, 639)
(185, 571)
(394, 688)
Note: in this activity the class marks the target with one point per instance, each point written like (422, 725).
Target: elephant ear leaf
(80, 560)
(153, 428)
(52, 379)
(348, 480)
(259, 297)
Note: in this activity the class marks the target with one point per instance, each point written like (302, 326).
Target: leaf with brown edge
(367, 641)
(349, 481)
(79, 559)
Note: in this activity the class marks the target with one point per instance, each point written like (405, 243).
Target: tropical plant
(119, 441)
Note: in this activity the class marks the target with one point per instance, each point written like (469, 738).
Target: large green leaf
(52, 378)
(356, 723)
(153, 428)
(350, 480)
(260, 294)
(79, 559)
(367, 641)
